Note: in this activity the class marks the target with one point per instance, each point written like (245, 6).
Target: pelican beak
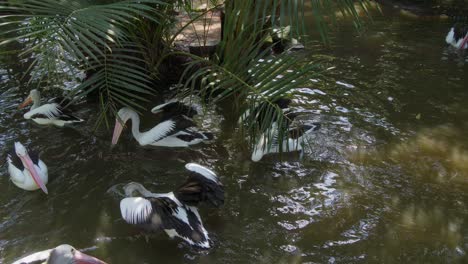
(32, 170)
(82, 258)
(26, 102)
(117, 131)
(464, 42)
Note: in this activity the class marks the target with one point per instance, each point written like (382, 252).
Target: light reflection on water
(376, 184)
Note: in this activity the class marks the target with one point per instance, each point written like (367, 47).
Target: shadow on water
(383, 180)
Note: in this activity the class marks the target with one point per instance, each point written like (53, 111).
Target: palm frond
(96, 39)
(244, 71)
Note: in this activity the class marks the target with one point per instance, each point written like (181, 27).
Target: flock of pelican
(175, 212)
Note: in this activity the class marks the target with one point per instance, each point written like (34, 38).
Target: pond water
(384, 180)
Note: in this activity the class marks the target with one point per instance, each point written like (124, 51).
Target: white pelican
(458, 36)
(63, 254)
(173, 108)
(47, 114)
(175, 212)
(174, 132)
(27, 171)
(293, 141)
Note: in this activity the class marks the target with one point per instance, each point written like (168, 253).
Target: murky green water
(384, 180)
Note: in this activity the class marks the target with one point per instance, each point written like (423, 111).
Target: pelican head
(134, 189)
(20, 149)
(34, 96)
(22, 153)
(122, 117)
(66, 254)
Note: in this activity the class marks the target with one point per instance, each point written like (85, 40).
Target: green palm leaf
(244, 72)
(87, 37)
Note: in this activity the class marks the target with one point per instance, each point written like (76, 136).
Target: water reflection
(383, 180)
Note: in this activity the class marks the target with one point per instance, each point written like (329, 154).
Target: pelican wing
(202, 185)
(14, 160)
(136, 210)
(165, 129)
(450, 36)
(38, 257)
(164, 213)
(34, 157)
(203, 171)
(149, 212)
(186, 224)
(174, 108)
(164, 106)
(52, 111)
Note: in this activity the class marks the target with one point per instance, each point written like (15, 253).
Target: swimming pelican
(175, 212)
(292, 141)
(178, 131)
(173, 108)
(47, 114)
(26, 170)
(63, 254)
(458, 36)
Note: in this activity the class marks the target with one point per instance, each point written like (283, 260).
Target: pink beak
(117, 131)
(35, 175)
(27, 101)
(464, 42)
(82, 258)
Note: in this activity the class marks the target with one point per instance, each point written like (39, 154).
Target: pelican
(48, 114)
(173, 108)
(175, 212)
(27, 171)
(63, 254)
(458, 36)
(178, 131)
(292, 141)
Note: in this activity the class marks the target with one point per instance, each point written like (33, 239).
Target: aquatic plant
(120, 47)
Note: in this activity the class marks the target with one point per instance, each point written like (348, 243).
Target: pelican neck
(36, 102)
(135, 125)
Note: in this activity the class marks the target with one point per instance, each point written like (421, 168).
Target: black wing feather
(64, 114)
(15, 160)
(198, 188)
(163, 218)
(34, 157)
(460, 31)
(177, 108)
(181, 122)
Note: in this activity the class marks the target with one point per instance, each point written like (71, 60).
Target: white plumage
(458, 37)
(135, 210)
(35, 257)
(47, 114)
(63, 254)
(157, 133)
(204, 171)
(26, 170)
(269, 143)
(175, 212)
(175, 132)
